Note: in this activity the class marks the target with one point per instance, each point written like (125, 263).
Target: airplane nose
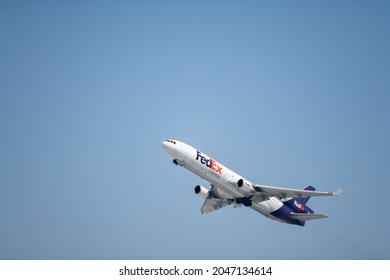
(165, 146)
(169, 148)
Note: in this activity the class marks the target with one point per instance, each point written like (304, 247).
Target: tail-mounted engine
(202, 191)
(245, 185)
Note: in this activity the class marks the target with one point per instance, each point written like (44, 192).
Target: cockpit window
(173, 142)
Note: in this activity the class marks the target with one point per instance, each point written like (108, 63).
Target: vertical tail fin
(298, 204)
(304, 200)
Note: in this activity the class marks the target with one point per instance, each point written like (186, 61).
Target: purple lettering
(209, 162)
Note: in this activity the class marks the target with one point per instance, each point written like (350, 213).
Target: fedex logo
(299, 206)
(209, 162)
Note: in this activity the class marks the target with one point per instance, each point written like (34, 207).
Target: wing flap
(307, 217)
(212, 204)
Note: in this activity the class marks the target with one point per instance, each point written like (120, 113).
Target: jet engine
(245, 185)
(202, 191)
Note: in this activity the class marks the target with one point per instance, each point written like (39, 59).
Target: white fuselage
(223, 180)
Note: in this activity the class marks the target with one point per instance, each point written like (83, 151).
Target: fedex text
(299, 206)
(209, 162)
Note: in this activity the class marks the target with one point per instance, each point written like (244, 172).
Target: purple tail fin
(298, 204)
(304, 200)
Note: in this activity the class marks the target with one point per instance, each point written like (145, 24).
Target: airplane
(228, 188)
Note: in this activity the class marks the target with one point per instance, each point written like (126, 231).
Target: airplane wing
(287, 193)
(212, 204)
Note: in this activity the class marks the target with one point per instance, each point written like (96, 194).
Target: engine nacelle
(245, 185)
(202, 191)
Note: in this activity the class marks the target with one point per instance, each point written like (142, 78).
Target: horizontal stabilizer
(307, 217)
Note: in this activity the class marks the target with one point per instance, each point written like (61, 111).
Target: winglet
(338, 192)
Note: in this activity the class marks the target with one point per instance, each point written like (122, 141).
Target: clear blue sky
(286, 93)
